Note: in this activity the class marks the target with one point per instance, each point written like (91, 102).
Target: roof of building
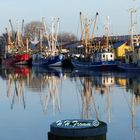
(75, 45)
(118, 44)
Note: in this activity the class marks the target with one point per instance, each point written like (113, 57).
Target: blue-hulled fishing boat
(97, 54)
(50, 56)
(100, 60)
(41, 60)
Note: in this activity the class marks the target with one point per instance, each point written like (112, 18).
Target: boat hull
(103, 65)
(49, 61)
(19, 59)
(129, 67)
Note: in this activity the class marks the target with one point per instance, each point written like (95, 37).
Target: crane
(94, 25)
(22, 28)
(82, 33)
(12, 30)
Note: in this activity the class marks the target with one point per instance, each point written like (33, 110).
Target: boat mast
(81, 22)
(27, 45)
(133, 23)
(107, 28)
(94, 25)
(54, 33)
(8, 42)
(41, 39)
(46, 33)
(22, 28)
(87, 37)
(12, 29)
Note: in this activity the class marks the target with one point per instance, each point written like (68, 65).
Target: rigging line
(15, 93)
(102, 24)
(61, 82)
(57, 86)
(41, 99)
(13, 100)
(46, 101)
(41, 93)
(9, 94)
(78, 98)
(127, 101)
(79, 91)
(94, 105)
(16, 90)
(59, 40)
(24, 103)
(77, 32)
(9, 83)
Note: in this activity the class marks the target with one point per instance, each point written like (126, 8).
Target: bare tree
(33, 29)
(66, 37)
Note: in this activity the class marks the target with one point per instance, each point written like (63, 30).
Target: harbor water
(31, 99)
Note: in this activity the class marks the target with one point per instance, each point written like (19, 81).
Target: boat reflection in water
(113, 97)
(17, 77)
(88, 85)
(48, 81)
(45, 82)
(54, 71)
(91, 84)
(132, 83)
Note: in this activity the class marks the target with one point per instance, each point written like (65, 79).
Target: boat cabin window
(107, 79)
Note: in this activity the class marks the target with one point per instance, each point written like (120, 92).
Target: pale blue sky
(68, 11)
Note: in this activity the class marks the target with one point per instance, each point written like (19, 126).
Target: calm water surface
(31, 99)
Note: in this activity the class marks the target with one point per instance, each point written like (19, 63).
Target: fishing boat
(97, 62)
(132, 58)
(48, 61)
(16, 50)
(17, 59)
(50, 55)
(131, 67)
(132, 61)
(96, 54)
